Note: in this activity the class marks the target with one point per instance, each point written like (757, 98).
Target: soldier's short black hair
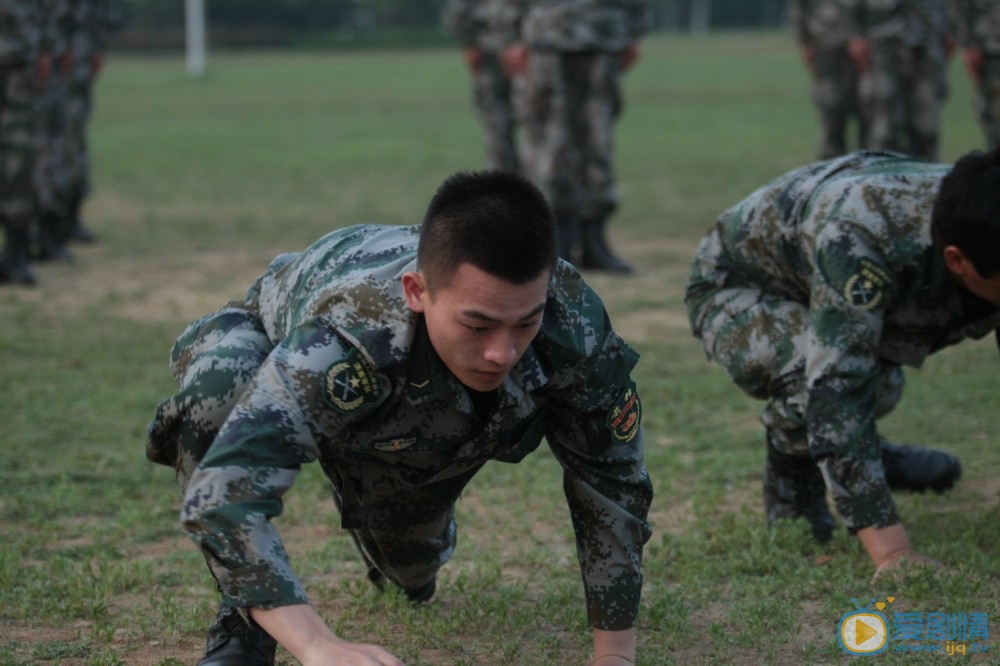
(497, 221)
(967, 210)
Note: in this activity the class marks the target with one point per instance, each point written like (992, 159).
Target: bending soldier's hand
(473, 59)
(889, 548)
(515, 59)
(859, 49)
(301, 631)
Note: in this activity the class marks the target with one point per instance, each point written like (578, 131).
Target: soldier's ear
(955, 261)
(415, 290)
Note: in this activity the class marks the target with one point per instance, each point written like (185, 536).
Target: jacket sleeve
(238, 487)
(851, 289)
(607, 487)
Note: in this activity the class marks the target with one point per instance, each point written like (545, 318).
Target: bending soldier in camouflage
(572, 55)
(403, 359)
(816, 289)
(484, 28)
(978, 28)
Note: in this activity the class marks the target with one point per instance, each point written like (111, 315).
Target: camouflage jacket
(21, 32)
(488, 25)
(914, 22)
(354, 383)
(850, 238)
(977, 24)
(583, 25)
(821, 23)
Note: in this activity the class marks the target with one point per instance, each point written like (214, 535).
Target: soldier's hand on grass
(897, 562)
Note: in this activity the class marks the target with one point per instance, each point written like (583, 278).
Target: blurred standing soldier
(901, 50)
(823, 31)
(484, 29)
(51, 178)
(573, 54)
(24, 70)
(978, 30)
(94, 22)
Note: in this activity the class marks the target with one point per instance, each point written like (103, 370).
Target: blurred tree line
(158, 23)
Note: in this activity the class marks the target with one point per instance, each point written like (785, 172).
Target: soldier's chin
(483, 381)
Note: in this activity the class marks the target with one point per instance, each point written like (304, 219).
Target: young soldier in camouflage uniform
(815, 290)
(901, 50)
(24, 71)
(485, 28)
(403, 359)
(978, 28)
(573, 54)
(822, 30)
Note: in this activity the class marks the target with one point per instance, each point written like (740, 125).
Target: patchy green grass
(199, 183)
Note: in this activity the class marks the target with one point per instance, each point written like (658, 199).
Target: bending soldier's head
(965, 223)
(487, 250)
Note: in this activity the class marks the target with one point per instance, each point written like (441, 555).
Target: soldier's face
(479, 324)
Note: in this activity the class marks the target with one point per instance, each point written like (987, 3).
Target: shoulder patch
(625, 415)
(350, 383)
(865, 287)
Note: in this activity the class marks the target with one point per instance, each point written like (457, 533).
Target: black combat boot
(917, 469)
(568, 235)
(597, 255)
(48, 245)
(76, 230)
(794, 488)
(15, 267)
(233, 642)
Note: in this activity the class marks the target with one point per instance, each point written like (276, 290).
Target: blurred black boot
(77, 231)
(48, 243)
(916, 469)
(15, 267)
(597, 255)
(568, 235)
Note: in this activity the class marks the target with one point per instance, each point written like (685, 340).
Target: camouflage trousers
(52, 176)
(988, 99)
(901, 97)
(494, 93)
(214, 362)
(571, 102)
(18, 144)
(835, 94)
(761, 341)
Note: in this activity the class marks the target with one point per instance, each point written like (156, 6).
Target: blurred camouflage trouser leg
(571, 103)
(926, 87)
(882, 98)
(493, 91)
(834, 92)
(987, 100)
(18, 154)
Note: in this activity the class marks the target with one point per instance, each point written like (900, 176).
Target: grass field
(198, 183)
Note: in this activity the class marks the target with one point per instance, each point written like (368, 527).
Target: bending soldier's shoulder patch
(866, 286)
(625, 415)
(350, 383)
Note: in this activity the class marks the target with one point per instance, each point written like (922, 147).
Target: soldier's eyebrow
(482, 316)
